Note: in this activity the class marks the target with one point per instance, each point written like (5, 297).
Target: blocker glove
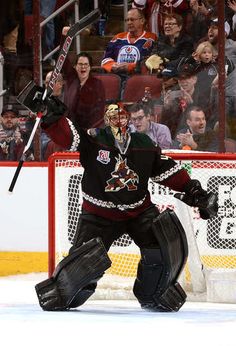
(32, 98)
(195, 196)
(54, 110)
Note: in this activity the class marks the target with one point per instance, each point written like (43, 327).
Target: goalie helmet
(117, 118)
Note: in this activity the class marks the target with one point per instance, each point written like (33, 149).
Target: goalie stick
(31, 92)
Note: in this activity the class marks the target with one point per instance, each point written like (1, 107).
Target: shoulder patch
(104, 156)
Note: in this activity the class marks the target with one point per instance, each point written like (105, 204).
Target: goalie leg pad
(75, 277)
(171, 300)
(156, 285)
(173, 242)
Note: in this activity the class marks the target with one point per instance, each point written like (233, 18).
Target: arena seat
(230, 145)
(135, 85)
(112, 85)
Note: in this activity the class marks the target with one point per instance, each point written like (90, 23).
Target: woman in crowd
(174, 43)
(84, 94)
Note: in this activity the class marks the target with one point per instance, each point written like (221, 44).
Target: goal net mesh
(212, 243)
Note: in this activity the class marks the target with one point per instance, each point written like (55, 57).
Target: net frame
(199, 279)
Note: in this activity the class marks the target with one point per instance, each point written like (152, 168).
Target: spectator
(84, 95)
(229, 9)
(58, 88)
(204, 61)
(68, 15)
(195, 135)
(155, 10)
(174, 43)
(11, 137)
(230, 83)
(127, 49)
(11, 12)
(140, 118)
(46, 9)
(178, 98)
(230, 17)
(197, 20)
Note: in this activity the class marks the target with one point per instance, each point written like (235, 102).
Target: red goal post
(212, 243)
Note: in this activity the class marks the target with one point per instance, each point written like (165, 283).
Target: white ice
(123, 323)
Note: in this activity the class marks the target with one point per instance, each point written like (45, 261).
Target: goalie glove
(196, 196)
(55, 109)
(32, 97)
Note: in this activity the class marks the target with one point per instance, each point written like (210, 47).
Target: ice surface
(123, 323)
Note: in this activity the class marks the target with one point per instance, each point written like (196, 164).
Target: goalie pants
(139, 229)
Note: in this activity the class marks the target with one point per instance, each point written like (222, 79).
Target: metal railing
(52, 16)
(76, 19)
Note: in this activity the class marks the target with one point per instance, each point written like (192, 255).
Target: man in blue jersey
(128, 48)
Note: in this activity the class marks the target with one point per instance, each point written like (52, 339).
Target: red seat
(112, 85)
(135, 85)
(230, 145)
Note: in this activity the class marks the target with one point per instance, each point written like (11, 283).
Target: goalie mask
(117, 118)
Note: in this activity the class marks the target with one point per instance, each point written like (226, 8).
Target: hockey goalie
(117, 166)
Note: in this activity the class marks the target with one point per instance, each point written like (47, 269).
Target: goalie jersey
(115, 182)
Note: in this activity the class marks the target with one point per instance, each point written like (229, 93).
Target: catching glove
(195, 196)
(55, 109)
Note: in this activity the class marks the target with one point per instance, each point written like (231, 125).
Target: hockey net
(210, 272)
